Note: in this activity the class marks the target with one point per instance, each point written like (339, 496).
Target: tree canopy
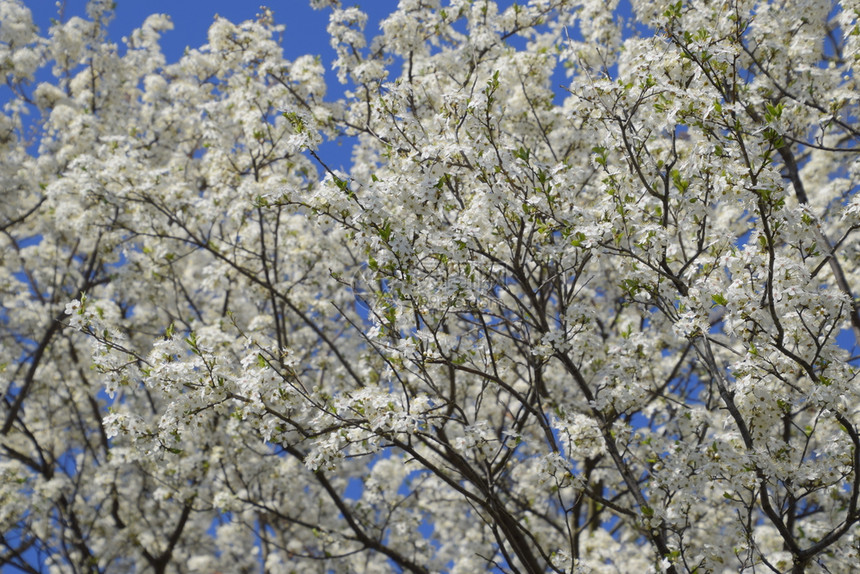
(604, 327)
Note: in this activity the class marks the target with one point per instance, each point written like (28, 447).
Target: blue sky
(305, 28)
(305, 31)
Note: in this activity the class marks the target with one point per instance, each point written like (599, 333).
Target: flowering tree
(599, 329)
